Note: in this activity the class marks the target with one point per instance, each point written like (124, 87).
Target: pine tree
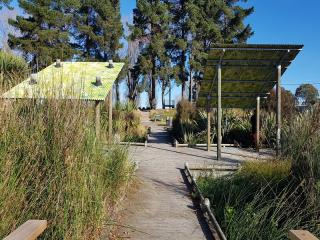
(98, 29)
(151, 25)
(196, 25)
(216, 22)
(43, 31)
(181, 30)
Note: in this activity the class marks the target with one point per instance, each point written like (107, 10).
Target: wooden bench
(30, 230)
(301, 235)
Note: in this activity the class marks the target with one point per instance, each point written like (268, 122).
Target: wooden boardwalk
(161, 207)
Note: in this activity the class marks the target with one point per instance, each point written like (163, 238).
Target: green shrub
(127, 123)
(190, 126)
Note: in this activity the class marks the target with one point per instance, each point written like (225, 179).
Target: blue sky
(293, 22)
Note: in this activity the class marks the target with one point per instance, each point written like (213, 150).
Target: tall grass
(262, 201)
(12, 70)
(53, 168)
(266, 200)
(301, 143)
(127, 123)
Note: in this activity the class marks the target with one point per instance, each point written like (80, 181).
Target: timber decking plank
(30, 230)
(301, 235)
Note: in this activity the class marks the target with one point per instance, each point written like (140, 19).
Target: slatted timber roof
(248, 71)
(73, 80)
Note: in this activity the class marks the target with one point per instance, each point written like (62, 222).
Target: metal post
(208, 129)
(97, 119)
(278, 90)
(110, 117)
(258, 124)
(219, 115)
(170, 103)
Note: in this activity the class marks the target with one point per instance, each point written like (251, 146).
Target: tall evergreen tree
(43, 31)
(181, 29)
(97, 29)
(150, 27)
(197, 25)
(216, 22)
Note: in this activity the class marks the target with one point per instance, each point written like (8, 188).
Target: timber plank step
(30, 230)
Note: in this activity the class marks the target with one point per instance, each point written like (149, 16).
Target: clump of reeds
(12, 70)
(52, 167)
(262, 201)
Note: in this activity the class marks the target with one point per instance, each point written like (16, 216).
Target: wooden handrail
(301, 235)
(30, 230)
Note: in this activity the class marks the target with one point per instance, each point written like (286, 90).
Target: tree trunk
(183, 74)
(153, 86)
(162, 96)
(117, 91)
(183, 89)
(190, 87)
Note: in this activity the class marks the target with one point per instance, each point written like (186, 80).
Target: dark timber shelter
(239, 75)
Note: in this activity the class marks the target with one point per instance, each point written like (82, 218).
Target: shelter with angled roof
(239, 75)
(88, 81)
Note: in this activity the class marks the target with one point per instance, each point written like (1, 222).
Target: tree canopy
(288, 102)
(176, 34)
(308, 94)
(68, 29)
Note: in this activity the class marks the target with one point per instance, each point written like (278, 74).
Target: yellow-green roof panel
(248, 71)
(73, 80)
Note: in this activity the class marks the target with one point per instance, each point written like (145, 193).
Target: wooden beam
(30, 230)
(301, 235)
(110, 118)
(97, 119)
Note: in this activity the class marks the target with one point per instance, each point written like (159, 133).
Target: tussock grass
(262, 201)
(52, 167)
(12, 70)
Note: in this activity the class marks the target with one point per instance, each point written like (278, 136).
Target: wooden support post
(278, 91)
(219, 115)
(97, 119)
(258, 125)
(110, 118)
(208, 129)
(301, 235)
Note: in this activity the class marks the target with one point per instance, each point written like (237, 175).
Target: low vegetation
(12, 70)
(162, 113)
(52, 167)
(190, 126)
(127, 123)
(264, 200)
